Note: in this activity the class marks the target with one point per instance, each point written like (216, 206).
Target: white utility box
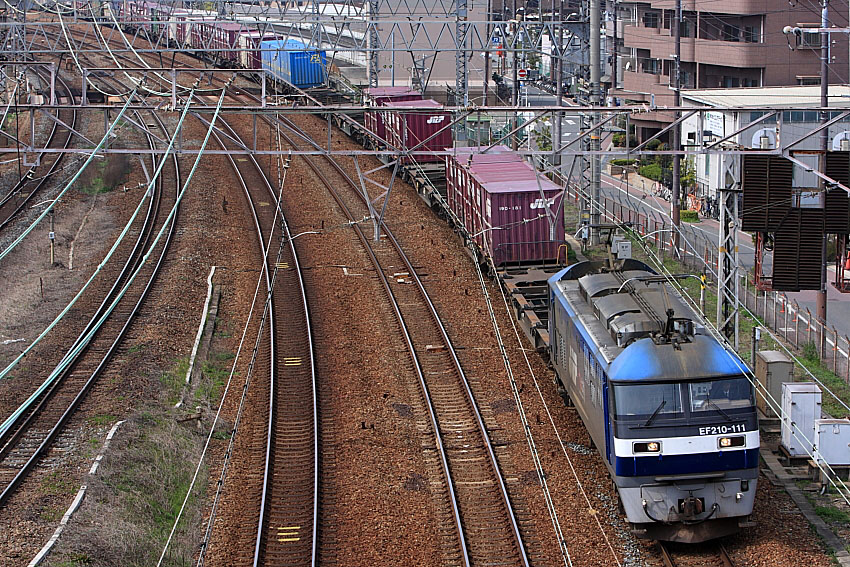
(832, 439)
(801, 406)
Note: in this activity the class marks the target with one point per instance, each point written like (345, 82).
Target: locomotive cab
(685, 455)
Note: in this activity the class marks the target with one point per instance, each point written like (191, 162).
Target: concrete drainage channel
(78, 499)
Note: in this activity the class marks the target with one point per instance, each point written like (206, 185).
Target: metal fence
(796, 325)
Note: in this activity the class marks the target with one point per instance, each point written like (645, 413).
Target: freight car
(422, 128)
(293, 63)
(379, 96)
(512, 213)
(670, 410)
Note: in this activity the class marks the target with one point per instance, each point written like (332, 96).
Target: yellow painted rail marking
(281, 265)
(288, 533)
(292, 361)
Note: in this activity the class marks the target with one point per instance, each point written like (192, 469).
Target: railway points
(381, 404)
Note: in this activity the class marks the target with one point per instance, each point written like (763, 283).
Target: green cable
(100, 144)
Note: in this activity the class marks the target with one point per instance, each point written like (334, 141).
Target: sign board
(496, 40)
(522, 74)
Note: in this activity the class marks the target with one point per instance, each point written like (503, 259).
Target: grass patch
(174, 380)
(105, 174)
(103, 419)
(134, 500)
(832, 515)
(138, 347)
(56, 484)
(214, 375)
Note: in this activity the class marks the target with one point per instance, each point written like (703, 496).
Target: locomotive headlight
(727, 442)
(647, 447)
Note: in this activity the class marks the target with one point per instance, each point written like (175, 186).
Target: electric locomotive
(668, 407)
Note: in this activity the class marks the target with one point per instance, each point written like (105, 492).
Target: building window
(808, 39)
(731, 82)
(652, 66)
(751, 34)
(650, 19)
(685, 29)
(808, 80)
(730, 32)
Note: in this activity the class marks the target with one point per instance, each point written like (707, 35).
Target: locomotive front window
(647, 399)
(721, 395)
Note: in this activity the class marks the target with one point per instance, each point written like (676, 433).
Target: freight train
(668, 407)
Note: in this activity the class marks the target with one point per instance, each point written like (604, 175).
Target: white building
(785, 128)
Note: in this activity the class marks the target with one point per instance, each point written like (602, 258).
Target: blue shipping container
(293, 62)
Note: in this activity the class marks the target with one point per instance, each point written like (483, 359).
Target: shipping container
(379, 96)
(249, 48)
(502, 202)
(293, 62)
(409, 129)
(219, 40)
(184, 20)
(196, 38)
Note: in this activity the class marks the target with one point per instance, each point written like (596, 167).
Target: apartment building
(724, 44)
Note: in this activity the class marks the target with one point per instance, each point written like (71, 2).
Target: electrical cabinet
(801, 406)
(832, 439)
(773, 368)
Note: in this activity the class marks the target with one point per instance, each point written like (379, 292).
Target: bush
(651, 171)
(619, 140)
(622, 161)
(688, 216)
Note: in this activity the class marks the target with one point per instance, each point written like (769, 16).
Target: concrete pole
(595, 100)
(824, 143)
(677, 141)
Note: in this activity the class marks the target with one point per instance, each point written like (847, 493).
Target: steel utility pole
(595, 100)
(487, 53)
(824, 143)
(677, 142)
(559, 85)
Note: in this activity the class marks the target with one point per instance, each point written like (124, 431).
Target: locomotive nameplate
(723, 429)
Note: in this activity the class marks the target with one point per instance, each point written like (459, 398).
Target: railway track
(30, 437)
(29, 186)
(483, 527)
(287, 522)
(711, 554)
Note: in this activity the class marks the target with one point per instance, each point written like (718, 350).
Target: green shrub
(622, 161)
(651, 171)
(688, 216)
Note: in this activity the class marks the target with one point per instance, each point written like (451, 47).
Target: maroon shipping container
(379, 96)
(221, 38)
(501, 200)
(409, 129)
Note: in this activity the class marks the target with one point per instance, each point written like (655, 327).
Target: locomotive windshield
(647, 399)
(720, 395)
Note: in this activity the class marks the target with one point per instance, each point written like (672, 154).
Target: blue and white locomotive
(667, 406)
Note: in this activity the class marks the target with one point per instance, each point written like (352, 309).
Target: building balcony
(661, 45)
(737, 7)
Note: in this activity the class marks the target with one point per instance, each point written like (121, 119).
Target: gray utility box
(832, 439)
(801, 404)
(773, 368)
